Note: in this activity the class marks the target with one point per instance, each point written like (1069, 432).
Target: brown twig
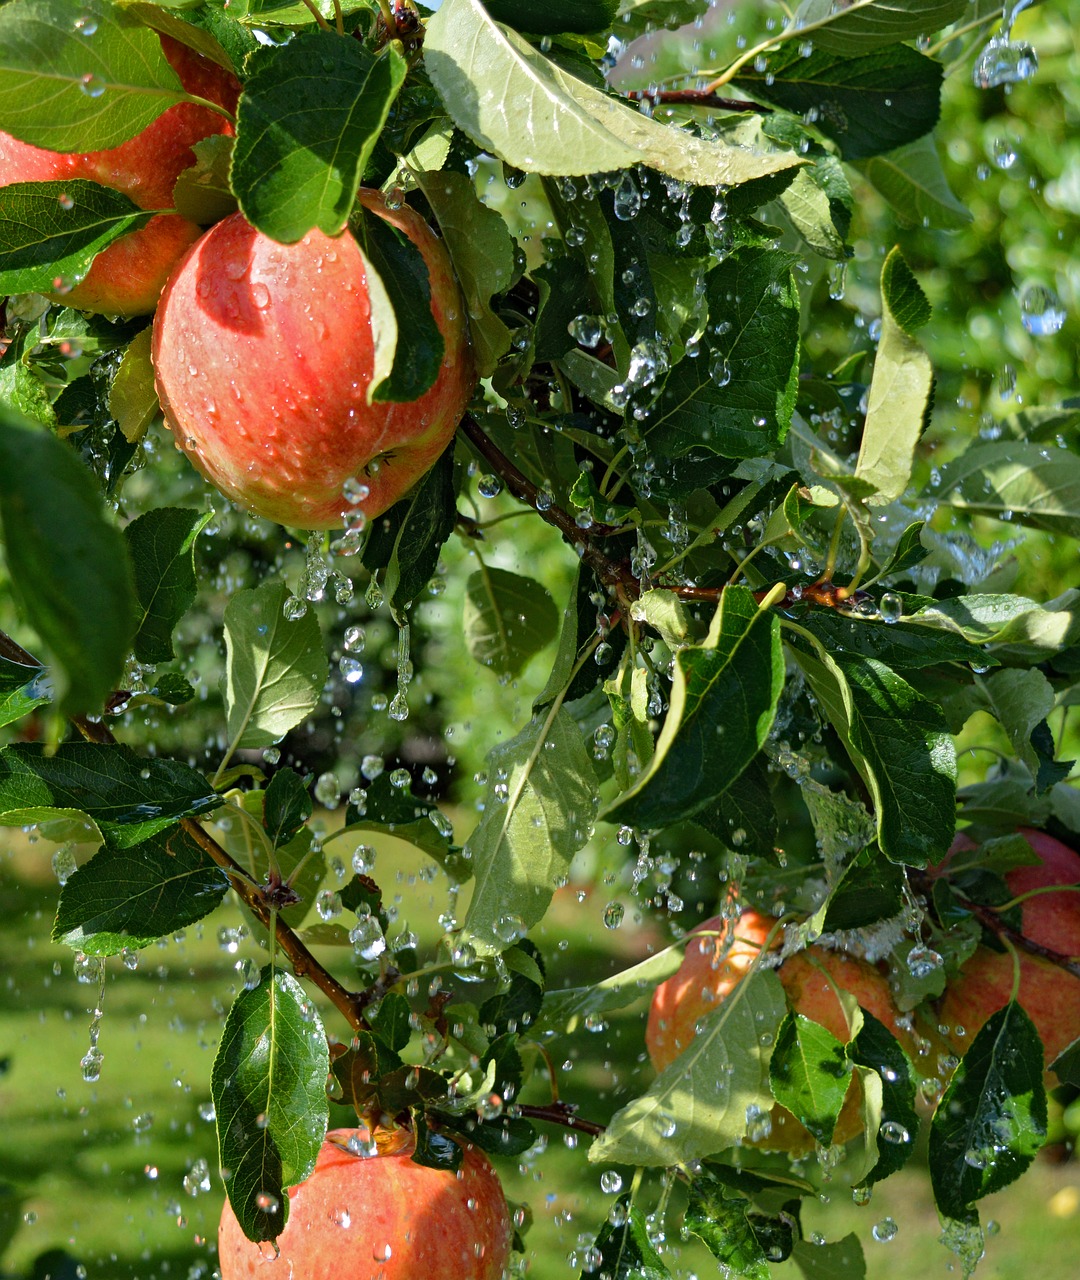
(582, 540)
(563, 1113)
(349, 1003)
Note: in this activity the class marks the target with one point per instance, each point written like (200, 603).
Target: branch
(584, 541)
(696, 98)
(349, 1003)
(563, 1113)
(990, 919)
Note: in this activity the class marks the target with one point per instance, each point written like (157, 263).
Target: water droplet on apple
(381, 1252)
(260, 295)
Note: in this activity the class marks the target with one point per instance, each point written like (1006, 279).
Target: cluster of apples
(264, 354)
(716, 962)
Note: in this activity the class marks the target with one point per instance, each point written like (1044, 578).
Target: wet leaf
(275, 666)
(507, 619)
(269, 1091)
(862, 25)
(22, 688)
(626, 1252)
(876, 1049)
(286, 806)
(1015, 480)
(870, 889)
(912, 180)
(161, 544)
(741, 1239)
(834, 1260)
(124, 899)
(809, 1074)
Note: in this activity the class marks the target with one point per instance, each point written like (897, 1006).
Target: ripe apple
(1049, 994)
(704, 979)
(127, 277)
(380, 1218)
(264, 354)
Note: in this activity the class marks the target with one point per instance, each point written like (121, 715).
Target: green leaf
(908, 552)
(544, 120)
(275, 667)
(564, 1009)
(482, 251)
(834, 1260)
(991, 1120)
(161, 544)
(870, 889)
(899, 743)
(723, 701)
(809, 1074)
(309, 117)
(862, 25)
(133, 398)
(1066, 1066)
(124, 899)
(556, 17)
(286, 806)
(269, 1091)
(400, 813)
(539, 806)
(901, 386)
(407, 539)
(902, 645)
(507, 619)
(22, 688)
(23, 391)
(741, 1240)
(516, 1008)
(737, 397)
(389, 1021)
(75, 591)
(876, 1049)
(1016, 624)
(697, 1106)
(913, 182)
(626, 1252)
(202, 193)
(1020, 701)
(48, 245)
(293, 13)
(88, 87)
(128, 797)
(867, 104)
(1015, 480)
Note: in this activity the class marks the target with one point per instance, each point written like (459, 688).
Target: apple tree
(705, 526)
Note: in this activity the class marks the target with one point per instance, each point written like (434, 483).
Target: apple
(1049, 994)
(380, 1218)
(127, 277)
(264, 356)
(707, 975)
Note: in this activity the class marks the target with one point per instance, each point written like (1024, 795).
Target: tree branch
(563, 1113)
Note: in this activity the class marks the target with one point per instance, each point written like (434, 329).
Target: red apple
(264, 355)
(1049, 994)
(127, 277)
(380, 1218)
(704, 979)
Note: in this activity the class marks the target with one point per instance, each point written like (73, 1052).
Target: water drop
(891, 607)
(1041, 313)
(613, 915)
(93, 86)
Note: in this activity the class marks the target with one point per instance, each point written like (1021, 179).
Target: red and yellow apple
(380, 1218)
(1049, 994)
(264, 356)
(127, 277)
(707, 975)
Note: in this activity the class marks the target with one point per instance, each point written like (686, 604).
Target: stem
(317, 15)
(561, 1113)
(388, 17)
(697, 98)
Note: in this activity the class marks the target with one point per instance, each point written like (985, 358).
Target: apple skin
(436, 1225)
(1049, 995)
(127, 277)
(264, 354)
(698, 987)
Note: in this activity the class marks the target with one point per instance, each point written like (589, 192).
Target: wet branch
(696, 98)
(350, 1004)
(563, 1113)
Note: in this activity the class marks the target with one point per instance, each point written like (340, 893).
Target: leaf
(913, 182)
(539, 807)
(161, 545)
(833, 1260)
(565, 1008)
(901, 386)
(876, 1049)
(400, 813)
(908, 552)
(407, 539)
(507, 619)
(898, 741)
(133, 399)
(514, 1009)
(275, 667)
(23, 391)
(282, 13)
(22, 688)
(75, 590)
(1020, 701)
(286, 806)
(1025, 627)
(308, 119)
(741, 1240)
(48, 245)
(809, 1074)
(124, 899)
(202, 192)
(557, 17)
(521, 107)
(991, 1120)
(870, 889)
(626, 1252)
(698, 1105)
(737, 397)
(389, 1021)
(269, 1091)
(723, 701)
(862, 25)
(902, 645)
(482, 251)
(1015, 480)
(867, 104)
(128, 797)
(80, 87)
